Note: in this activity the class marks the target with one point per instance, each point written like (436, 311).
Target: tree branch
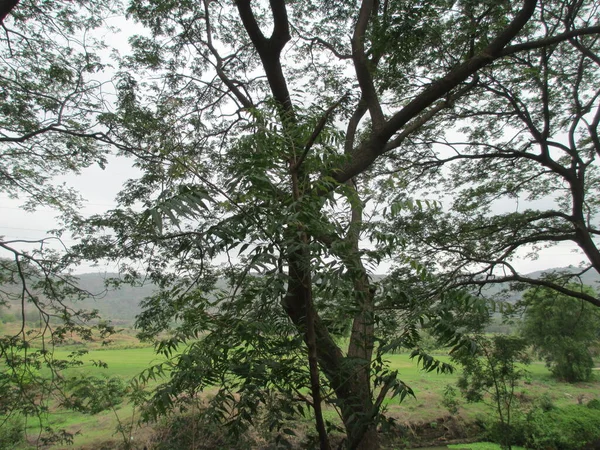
(317, 131)
(361, 65)
(512, 49)
(534, 282)
(269, 51)
(370, 150)
(245, 101)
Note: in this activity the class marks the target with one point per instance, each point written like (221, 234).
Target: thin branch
(317, 131)
(511, 49)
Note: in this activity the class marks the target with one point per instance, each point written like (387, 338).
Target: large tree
(521, 173)
(269, 137)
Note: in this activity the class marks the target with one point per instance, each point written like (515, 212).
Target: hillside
(118, 305)
(590, 278)
(122, 305)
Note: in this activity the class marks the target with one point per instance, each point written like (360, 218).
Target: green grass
(126, 363)
(426, 407)
(481, 446)
(91, 429)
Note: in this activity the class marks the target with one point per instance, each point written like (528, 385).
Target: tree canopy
(527, 138)
(50, 100)
(563, 330)
(285, 146)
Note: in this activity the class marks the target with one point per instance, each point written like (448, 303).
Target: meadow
(126, 358)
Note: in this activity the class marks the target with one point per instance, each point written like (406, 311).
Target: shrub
(594, 404)
(187, 431)
(12, 433)
(450, 399)
(567, 428)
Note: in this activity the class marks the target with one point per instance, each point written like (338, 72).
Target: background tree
(521, 173)
(494, 369)
(563, 331)
(50, 98)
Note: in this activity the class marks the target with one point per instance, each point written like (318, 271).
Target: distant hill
(122, 305)
(590, 278)
(118, 305)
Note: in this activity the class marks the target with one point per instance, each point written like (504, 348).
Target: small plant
(12, 433)
(545, 403)
(450, 399)
(491, 372)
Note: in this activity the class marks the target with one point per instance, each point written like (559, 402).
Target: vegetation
(563, 330)
(289, 148)
(563, 428)
(50, 101)
(494, 369)
(521, 169)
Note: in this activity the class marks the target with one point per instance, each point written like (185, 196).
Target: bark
(300, 295)
(6, 6)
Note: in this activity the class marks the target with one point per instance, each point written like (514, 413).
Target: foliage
(50, 103)
(481, 446)
(283, 169)
(493, 369)
(12, 433)
(92, 395)
(520, 174)
(570, 427)
(450, 400)
(594, 404)
(562, 330)
(51, 98)
(191, 431)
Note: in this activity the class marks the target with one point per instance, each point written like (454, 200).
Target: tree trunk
(358, 413)
(349, 376)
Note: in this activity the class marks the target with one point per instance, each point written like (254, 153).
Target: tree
(562, 329)
(522, 173)
(49, 105)
(493, 369)
(233, 113)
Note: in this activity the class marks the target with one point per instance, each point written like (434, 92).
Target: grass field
(426, 407)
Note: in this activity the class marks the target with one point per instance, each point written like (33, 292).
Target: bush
(567, 428)
(594, 404)
(187, 431)
(12, 433)
(450, 400)
(572, 362)
(514, 433)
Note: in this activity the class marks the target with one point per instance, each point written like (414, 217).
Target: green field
(426, 407)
